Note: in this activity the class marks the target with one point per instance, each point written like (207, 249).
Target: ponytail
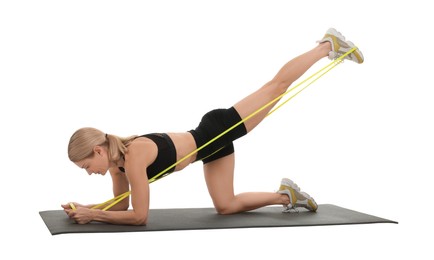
(85, 139)
(118, 146)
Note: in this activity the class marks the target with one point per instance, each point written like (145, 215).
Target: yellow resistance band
(110, 203)
(72, 206)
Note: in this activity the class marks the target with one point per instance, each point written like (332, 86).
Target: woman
(134, 160)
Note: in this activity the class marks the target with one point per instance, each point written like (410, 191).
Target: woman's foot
(340, 46)
(296, 197)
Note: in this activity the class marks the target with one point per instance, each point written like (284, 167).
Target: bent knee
(225, 209)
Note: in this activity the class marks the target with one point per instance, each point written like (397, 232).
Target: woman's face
(98, 163)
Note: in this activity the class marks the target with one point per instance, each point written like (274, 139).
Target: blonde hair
(85, 139)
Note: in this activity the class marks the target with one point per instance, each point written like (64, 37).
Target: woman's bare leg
(289, 73)
(219, 176)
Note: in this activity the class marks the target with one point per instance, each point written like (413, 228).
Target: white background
(361, 137)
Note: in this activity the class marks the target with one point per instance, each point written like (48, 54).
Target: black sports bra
(166, 155)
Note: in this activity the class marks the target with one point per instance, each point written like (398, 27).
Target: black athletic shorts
(212, 124)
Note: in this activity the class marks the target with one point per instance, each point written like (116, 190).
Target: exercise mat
(207, 218)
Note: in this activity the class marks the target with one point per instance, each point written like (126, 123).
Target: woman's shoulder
(141, 149)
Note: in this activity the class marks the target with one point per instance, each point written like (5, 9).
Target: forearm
(128, 217)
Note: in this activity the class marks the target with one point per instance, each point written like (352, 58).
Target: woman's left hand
(81, 215)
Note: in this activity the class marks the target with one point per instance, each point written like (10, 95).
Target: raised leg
(289, 73)
(219, 174)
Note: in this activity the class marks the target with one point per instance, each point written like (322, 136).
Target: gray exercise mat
(207, 218)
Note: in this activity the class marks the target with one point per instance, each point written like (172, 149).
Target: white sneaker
(340, 46)
(297, 198)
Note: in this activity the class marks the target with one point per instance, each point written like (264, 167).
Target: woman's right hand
(67, 207)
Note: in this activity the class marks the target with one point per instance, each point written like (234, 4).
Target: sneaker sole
(313, 206)
(357, 53)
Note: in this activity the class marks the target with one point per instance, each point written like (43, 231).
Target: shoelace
(288, 209)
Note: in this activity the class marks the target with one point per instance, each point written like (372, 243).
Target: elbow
(141, 220)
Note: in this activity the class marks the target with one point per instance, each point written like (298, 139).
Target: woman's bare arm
(120, 186)
(136, 162)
